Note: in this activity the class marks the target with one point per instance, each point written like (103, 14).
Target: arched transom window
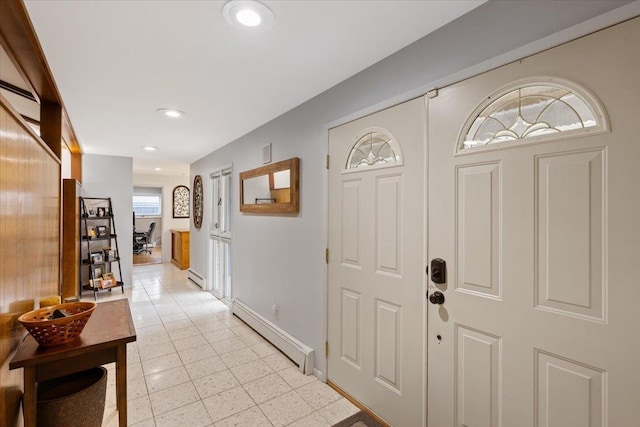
(532, 110)
(374, 148)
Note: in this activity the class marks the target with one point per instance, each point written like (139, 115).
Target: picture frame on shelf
(96, 258)
(97, 271)
(92, 212)
(102, 231)
(108, 276)
(112, 255)
(91, 232)
(107, 283)
(97, 283)
(101, 212)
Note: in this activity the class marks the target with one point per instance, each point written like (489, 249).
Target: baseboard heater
(197, 278)
(300, 353)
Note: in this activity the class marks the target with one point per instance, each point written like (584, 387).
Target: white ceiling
(117, 62)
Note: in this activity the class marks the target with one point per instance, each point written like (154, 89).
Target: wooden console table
(180, 248)
(103, 340)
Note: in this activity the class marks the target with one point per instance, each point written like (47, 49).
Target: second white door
(376, 278)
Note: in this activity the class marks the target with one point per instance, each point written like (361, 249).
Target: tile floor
(195, 364)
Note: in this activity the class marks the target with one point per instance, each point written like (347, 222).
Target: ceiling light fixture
(149, 147)
(247, 13)
(170, 112)
(157, 169)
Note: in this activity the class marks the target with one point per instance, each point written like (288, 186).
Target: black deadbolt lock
(436, 298)
(438, 270)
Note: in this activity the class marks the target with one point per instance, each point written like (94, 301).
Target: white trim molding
(301, 354)
(197, 278)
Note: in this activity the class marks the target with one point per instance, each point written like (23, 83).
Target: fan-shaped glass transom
(373, 148)
(529, 111)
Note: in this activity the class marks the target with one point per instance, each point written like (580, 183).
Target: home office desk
(103, 340)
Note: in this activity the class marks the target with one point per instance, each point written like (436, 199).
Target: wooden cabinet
(180, 248)
(70, 238)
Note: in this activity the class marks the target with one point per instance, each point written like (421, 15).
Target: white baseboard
(197, 278)
(300, 353)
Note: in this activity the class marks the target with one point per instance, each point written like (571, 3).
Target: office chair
(142, 240)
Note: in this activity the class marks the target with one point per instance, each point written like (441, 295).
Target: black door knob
(436, 298)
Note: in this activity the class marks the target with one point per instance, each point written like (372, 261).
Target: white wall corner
(320, 375)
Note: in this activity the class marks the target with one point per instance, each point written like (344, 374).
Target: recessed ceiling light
(170, 112)
(247, 13)
(157, 169)
(149, 147)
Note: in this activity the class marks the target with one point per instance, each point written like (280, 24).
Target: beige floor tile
(178, 324)
(295, 378)
(219, 335)
(264, 349)
(242, 329)
(211, 325)
(252, 417)
(266, 388)
(238, 357)
(318, 394)
(194, 354)
(338, 411)
(189, 342)
(138, 409)
(226, 346)
(278, 362)
(251, 371)
(149, 422)
(312, 420)
(177, 334)
(173, 397)
(227, 403)
(252, 339)
(134, 370)
(285, 409)
(136, 388)
(205, 367)
(166, 379)
(162, 363)
(152, 351)
(175, 318)
(215, 383)
(192, 415)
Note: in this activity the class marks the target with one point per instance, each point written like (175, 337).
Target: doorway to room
(147, 225)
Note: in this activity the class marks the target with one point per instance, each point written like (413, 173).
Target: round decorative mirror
(197, 201)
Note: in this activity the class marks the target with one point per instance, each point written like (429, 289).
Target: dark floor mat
(361, 419)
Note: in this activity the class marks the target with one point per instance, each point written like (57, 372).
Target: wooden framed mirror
(273, 188)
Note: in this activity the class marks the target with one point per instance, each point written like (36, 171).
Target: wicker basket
(49, 332)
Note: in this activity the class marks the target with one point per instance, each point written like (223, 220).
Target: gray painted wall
(280, 260)
(112, 176)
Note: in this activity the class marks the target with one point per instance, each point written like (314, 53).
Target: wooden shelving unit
(99, 253)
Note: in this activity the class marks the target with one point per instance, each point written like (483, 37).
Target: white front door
(376, 279)
(542, 241)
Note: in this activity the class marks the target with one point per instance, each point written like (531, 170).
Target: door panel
(541, 238)
(376, 268)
